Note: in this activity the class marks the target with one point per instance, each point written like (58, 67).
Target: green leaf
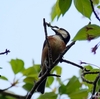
(88, 67)
(55, 12)
(2, 96)
(62, 89)
(17, 65)
(49, 81)
(57, 69)
(95, 2)
(6, 97)
(4, 78)
(28, 86)
(9, 97)
(91, 77)
(59, 80)
(99, 82)
(98, 6)
(84, 7)
(64, 5)
(79, 94)
(49, 95)
(71, 86)
(32, 71)
(37, 67)
(88, 32)
(29, 80)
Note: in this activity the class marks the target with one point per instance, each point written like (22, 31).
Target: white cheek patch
(63, 33)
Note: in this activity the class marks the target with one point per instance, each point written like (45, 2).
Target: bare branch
(13, 95)
(72, 63)
(2, 90)
(54, 75)
(49, 25)
(91, 2)
(49, 48)
(6, 52)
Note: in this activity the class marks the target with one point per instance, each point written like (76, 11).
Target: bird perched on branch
(57, 44)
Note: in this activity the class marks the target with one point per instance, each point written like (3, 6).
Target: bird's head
(63, 34)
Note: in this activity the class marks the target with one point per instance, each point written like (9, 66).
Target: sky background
(22, 32)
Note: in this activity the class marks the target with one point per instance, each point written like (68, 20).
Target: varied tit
(57, 44)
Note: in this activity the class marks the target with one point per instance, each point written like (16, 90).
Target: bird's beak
(55, 30)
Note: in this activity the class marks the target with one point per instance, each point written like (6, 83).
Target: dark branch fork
(59, 59)
(52, 64)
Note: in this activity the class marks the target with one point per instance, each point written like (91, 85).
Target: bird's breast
(57, 46)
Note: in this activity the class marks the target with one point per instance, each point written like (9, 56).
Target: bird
(57, 44)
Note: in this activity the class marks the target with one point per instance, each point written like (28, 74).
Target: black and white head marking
(63, 34)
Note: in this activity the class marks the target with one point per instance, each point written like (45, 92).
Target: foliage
(88, 32)
(82, 6)
(75, 88)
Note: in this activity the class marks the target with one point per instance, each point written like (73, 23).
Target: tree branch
(6, 52)
(72, 63)
(47, 73)
(91, 2)
(49, 25)
(49, 48)
(13, 95)
(54, 75)
(2, 90)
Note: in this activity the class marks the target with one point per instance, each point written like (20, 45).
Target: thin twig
(13, 95)
(84, 69)
(72, 63)
(91, 2)
(49, 25)
(49, 48)
(2, 90)
(95, 72)
(6, 52)
(54, 75)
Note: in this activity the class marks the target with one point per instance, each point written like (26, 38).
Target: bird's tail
(41, 87)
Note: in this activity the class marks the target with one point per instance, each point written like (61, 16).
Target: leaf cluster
(73, 88)
(82, 6)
